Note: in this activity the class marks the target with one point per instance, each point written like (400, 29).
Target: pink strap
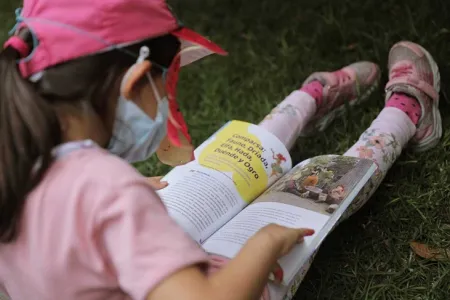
(19, 45)
(418, 84)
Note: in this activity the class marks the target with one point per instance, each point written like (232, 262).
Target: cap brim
(194, 46)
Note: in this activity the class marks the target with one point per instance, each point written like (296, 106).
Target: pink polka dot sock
(315, 90)
(408, 104)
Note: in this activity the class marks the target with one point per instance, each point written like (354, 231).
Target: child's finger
(293, 237)
(156, 182)
(302, 232)
(161, 185)
(277, 274)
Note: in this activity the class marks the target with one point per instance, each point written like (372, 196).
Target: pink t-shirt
(93, 229)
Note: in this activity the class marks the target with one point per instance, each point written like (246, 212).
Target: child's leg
(410, 115)
(382, 142)
(290, 117)
(320, 100)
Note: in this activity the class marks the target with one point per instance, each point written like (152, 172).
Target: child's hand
(285, 238)
(245, 275)
(156, 182)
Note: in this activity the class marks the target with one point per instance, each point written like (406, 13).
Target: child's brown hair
(29, 126)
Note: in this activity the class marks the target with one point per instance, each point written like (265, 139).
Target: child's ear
(131, 78)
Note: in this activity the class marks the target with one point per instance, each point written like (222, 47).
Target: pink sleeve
(142, 242)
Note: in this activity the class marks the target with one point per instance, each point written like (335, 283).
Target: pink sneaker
(413, 71)
(352, 84)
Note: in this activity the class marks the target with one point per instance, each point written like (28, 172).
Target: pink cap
(68, 29)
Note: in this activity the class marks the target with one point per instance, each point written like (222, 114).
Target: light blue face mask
(136, 136)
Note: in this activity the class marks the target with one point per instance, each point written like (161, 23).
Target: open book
(242, 179)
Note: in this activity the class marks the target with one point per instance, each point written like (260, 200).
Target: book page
(251, 156)
(314, 195)
(230, 170)
(230, 238)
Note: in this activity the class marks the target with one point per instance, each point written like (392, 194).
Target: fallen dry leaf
(428, 252)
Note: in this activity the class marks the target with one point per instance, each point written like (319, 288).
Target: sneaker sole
(326, 120)
(433, 139)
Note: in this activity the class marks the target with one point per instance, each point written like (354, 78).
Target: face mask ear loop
(144, 53)
(155, 90)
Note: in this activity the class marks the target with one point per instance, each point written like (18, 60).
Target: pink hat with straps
(68, 29)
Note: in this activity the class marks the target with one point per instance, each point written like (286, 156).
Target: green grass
(273, 46)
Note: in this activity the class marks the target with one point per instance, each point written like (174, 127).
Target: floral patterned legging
(382, 142)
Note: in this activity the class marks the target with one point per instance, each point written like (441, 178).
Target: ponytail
(29, 129)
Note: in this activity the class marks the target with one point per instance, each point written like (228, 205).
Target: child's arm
(243, 278)
(149, 256)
